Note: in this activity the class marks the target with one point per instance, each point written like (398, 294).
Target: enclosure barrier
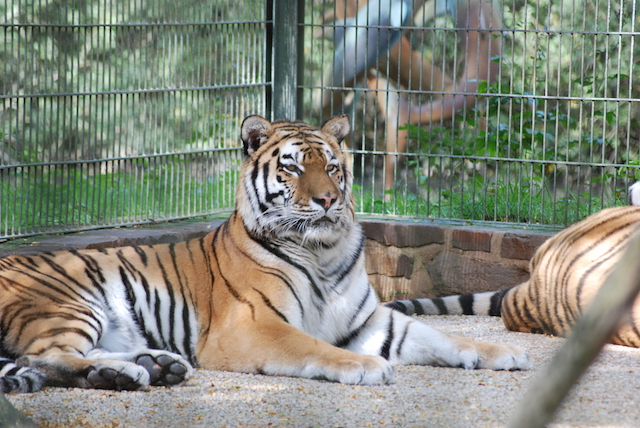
(122, 113)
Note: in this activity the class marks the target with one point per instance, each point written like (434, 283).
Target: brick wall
(407, 260)
(404, 259)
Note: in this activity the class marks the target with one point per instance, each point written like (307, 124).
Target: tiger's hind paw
(165, 369)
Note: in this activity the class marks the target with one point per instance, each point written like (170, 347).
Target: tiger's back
(566, 272)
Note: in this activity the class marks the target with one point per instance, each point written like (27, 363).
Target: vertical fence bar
(287, 59)
(268, 53)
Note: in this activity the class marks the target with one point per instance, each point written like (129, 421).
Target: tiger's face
(294, 179)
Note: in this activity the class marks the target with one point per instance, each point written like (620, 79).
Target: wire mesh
(123, 112)
(473, 110)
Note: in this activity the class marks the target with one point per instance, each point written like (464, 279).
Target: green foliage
(510, 170)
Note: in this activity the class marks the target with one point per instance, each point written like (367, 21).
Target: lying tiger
(280, 288)
(566, 273)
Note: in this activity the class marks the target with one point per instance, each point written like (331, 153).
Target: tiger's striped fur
(566, 273)
(19, 379)
(280, 289)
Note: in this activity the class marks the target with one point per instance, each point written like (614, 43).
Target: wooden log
(601, 319)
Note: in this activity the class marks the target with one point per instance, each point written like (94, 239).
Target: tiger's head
(294, 180)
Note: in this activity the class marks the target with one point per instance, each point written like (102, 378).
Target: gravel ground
(608, 395)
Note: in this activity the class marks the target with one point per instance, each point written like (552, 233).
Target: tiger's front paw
(492, 356)
(116, 375)
(165, 369)
(502, 357)
(366, 370)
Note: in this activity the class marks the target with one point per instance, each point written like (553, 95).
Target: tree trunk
(10, 417)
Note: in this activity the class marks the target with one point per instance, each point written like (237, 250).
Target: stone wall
(407, 260)
(404, 259)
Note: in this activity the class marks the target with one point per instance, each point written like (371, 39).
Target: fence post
(286, 52)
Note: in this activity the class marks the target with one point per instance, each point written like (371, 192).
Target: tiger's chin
(320, 239)
(322, 231)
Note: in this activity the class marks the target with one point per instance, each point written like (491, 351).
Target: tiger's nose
(325, 201)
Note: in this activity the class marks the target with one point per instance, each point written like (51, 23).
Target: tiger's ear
(255, 131)
(337, 127)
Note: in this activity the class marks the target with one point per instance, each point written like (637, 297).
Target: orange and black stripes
(566, 273)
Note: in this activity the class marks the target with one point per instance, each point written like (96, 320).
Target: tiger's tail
(14, 378)
(488, 303)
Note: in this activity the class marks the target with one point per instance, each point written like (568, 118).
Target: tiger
(566, 273)
(280, 288)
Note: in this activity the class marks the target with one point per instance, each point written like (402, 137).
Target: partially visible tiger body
(566, 273)
(280, 289)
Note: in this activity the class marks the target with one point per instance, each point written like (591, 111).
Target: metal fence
(126, 112)
(478, 110)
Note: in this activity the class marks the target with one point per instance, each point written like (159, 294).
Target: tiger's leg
(279, 349)
(405, 340)
(106, 370)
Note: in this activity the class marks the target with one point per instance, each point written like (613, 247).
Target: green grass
(496, 202)
(70, 198)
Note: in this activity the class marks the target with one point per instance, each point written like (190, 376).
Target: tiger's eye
(292, 169)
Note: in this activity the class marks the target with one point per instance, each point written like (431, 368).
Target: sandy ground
(607, 396)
